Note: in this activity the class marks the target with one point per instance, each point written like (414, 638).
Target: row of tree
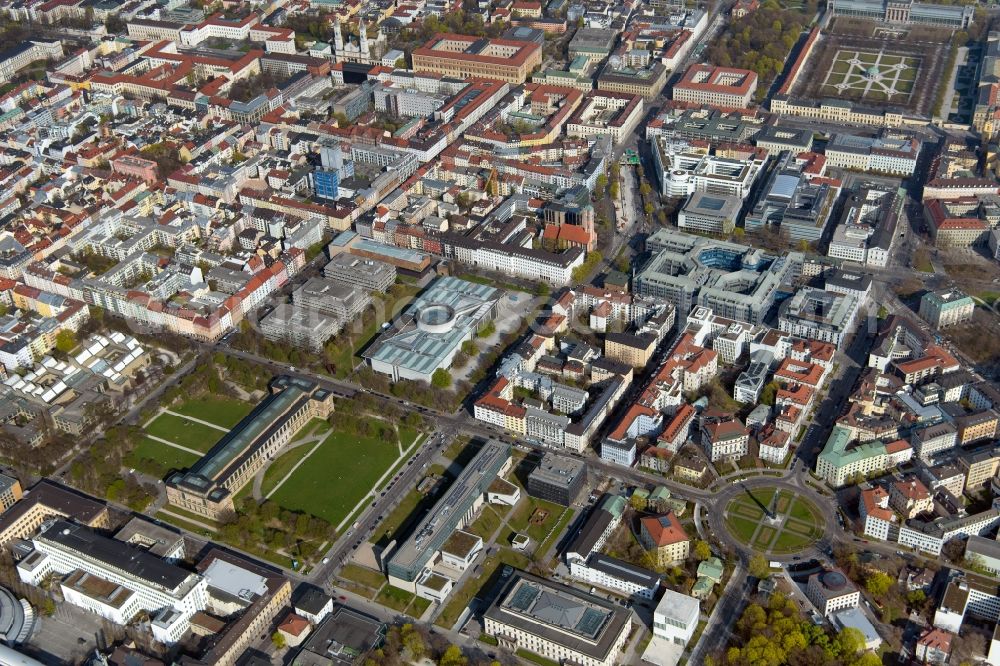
(776, 633)
(761, 40)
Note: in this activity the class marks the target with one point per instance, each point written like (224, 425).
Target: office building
(369, 274)
(338, 299)
(843, 458)
(208, 487)
(984, 553)
(864, 232)
(613, 574)
(250, 594)
(612, 113)
(737, 282)
(457, 508)
(45, 501)
(682, 169)
(115, 580)
(887, 153)
(341, 638)
(299, 326)
(428, 335)
(716, 86)
(464, 56)
(932, 534)
(557, 479)
(948, 307)
(831, 591)
(10, 492)
(557, 622)
(710, 213)
(819, 315)
(603, 520)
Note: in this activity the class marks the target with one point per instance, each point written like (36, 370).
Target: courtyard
(871, 75)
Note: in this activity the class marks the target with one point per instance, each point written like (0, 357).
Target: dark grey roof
(623, 570)
(310, 599)
(585, 540)
(115, 554)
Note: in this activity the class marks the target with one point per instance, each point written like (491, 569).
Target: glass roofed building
(431, 331)
(558, 622)
(208, 487)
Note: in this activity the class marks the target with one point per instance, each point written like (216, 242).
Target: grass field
(281, 466)
(341, 472)
(187, 433)
(225, 412)
(798, 522)
(156, 458)
(520, 521)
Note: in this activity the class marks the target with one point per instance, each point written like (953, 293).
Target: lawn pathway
(191, 418)
(381, 480)
(319, 439)
(258, 478)
(154, 417)
(187, 519)
(200, 454)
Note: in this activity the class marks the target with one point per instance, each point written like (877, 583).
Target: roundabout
(773, 520)
(769, 516)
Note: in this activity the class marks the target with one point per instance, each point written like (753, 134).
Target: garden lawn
(186, 433)
(281, 466)
(520, 520)
(225, 412)
(334, 479)
(156, 458)
(742, 528)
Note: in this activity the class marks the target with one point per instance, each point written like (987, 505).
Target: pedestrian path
(381, 480)
(191, 418)
(187, 519)
(176, 446)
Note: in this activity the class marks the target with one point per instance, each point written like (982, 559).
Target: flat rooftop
(560, 614)
(438, 525)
